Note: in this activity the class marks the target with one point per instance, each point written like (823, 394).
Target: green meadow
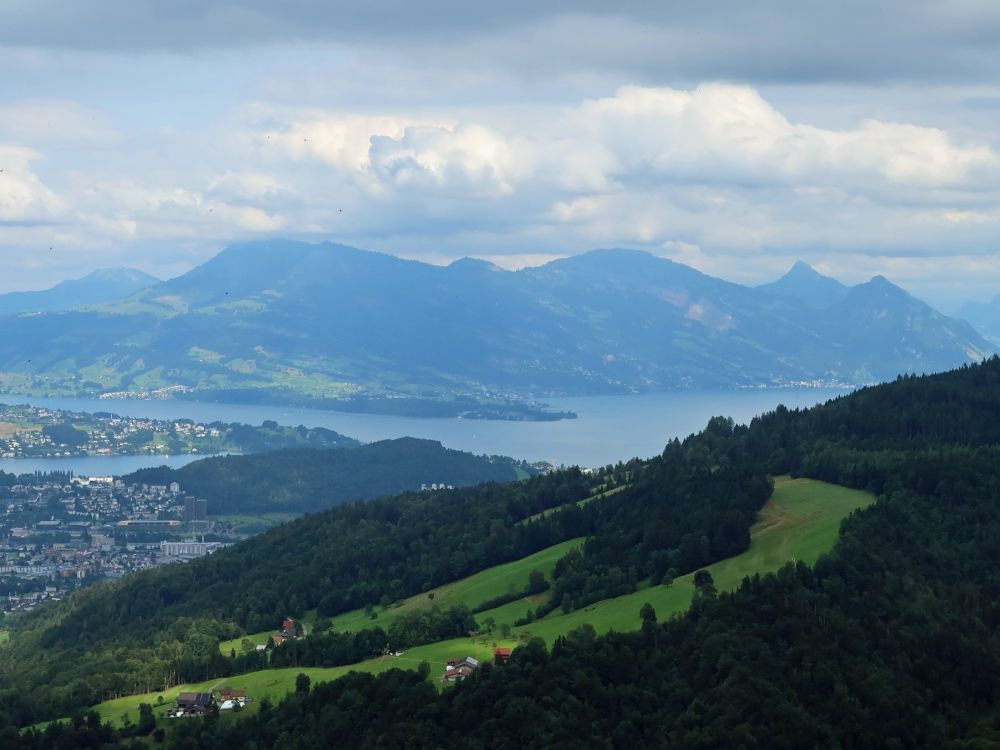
(274, 684)
(472, 591)
(800, 521)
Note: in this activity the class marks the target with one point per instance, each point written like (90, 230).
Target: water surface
(608, 428)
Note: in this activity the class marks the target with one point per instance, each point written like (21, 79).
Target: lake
(608, 428)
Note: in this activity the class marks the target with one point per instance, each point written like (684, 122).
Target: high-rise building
(195, 510)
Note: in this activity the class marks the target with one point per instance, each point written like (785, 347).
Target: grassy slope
(276, 683)
(800, 522)
(308, 619)
(474, 590)
(581, 503)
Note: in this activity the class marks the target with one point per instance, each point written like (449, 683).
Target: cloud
(250, 189)
(782, 40)
(470, 160)
(24, 199)
(730, 135)
(716, 175)
(715, 135)
(46, 122)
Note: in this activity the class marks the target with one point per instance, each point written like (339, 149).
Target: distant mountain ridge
(102, 285)
(807, 285)
(329, 325)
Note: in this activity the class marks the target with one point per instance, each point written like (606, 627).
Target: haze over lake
(608, 428)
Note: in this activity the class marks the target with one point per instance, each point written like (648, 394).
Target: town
(60, 532)
(35, 432)
(40, 432)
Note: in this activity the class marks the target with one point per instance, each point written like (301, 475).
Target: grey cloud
(789, 40)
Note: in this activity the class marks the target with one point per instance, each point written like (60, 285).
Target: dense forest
(890, 641)
(306, 480)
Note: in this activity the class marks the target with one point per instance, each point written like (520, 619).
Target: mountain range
(335, 326)
(102, 285)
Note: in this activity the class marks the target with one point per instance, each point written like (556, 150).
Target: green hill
(470, 591)
(305, 480)
(154, 629)
(800, 521)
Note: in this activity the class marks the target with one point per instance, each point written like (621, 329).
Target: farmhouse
(195, 703)
(458, 669)
(501, 654)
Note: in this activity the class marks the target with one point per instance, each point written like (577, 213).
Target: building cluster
(289, 631)
(201, 703)
(436, 486)
(459, 669)
(24, 434)
(165, 392)
(59, 532)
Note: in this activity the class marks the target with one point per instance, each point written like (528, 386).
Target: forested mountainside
(305, 480)
(889, 641)
(339, 327)
(682, 510)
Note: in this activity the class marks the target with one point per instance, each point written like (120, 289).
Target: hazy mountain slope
(885, 330)
(643, 320)
(282, 320)
(984, 317)
(808, 286)
(103, 285)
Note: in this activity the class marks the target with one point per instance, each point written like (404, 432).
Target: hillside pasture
(471, 591)
(800, 521)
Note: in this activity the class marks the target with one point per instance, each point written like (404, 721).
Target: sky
(735, 137)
